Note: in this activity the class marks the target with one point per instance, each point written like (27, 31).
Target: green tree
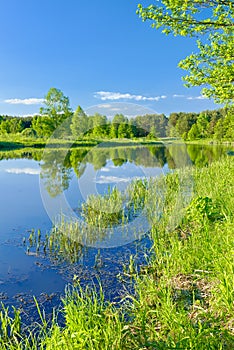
(119, 119)
(29, 132)
(202, 124)
(224, 128)
(147, 122)
(171, 127)
(57, 106)
(211, 20)
(79, 124)
(133, 130)
(56, 111)
(184, 124)
(119, 127)
(214, 117)
(5, 127)
(43, 125)
(123, 131)
(194, 133)
(16, 125)
(100, 125)
(153, 134)
(113, 131)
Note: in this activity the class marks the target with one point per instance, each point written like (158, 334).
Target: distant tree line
(14, 125)
(150, 126)
(217, 124)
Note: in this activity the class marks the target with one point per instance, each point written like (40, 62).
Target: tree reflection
(58, 164)
(55, 172)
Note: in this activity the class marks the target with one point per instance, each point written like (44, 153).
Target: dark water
(35, 186)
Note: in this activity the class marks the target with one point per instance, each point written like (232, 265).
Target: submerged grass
(184, 297)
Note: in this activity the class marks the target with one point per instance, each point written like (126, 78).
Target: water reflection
(58, 165)
(56, 172)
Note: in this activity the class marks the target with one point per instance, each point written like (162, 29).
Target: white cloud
(176, 96)
(28, 115)
(104, 106)
(28, 171)
(109, 107)
(128, 108)
(189, 97)
(112, 179)
(115, 179)
(25, 101)
(115, 109)
(105, 170)
(196, 98)
(107, 95)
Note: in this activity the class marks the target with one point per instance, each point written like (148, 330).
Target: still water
(35, 186)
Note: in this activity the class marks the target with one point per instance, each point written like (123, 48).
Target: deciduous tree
(57, 106)
(211, 21)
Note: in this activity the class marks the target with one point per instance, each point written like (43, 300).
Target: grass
(209, 141)
(115, 207)
(100, 214)
(10, 142)
(183, 298)
(187, 295)
(18, 141)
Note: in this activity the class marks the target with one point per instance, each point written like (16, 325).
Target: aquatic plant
(56, 244)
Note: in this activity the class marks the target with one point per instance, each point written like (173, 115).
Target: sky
(98, 53)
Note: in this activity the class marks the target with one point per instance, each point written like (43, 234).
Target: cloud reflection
(27, 171)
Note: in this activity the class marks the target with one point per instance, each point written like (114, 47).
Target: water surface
(71, 176)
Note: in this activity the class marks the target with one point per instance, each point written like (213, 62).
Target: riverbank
(14, 143)
(17, 142)
(184, 296)
(8, 144)
(210, 142)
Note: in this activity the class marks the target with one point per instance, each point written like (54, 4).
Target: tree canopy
(79, 125)
(55, 112)
(211, 21)
(56, 104)
(217, 124)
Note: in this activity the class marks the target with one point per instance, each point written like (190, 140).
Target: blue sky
(96, 52)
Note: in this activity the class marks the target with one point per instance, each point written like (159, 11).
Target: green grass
(17, 141)
(10, 142)
(187, 295)
(14, 142)
(210, 141)
(100, 214)
(184, 297)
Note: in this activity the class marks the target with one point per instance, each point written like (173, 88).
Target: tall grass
(187, 296)
(91, 323)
